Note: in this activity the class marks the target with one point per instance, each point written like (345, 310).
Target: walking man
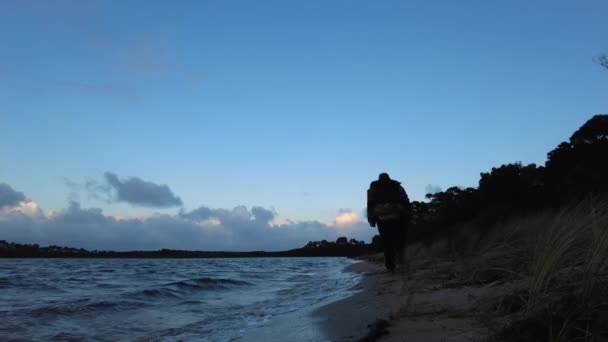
(389, 208)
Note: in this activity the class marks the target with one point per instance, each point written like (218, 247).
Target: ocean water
(161, 299)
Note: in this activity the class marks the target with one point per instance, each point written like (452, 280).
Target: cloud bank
(203, 228)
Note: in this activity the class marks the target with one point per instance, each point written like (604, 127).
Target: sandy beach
(429, 304)
(426, 305)
(348, 319)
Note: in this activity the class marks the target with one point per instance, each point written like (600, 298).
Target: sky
(242, 125)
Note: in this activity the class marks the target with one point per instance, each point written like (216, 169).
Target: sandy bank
(428, 304)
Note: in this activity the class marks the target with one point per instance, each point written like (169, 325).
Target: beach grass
(558, 258)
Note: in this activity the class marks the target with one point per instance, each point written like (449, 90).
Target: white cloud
(350, 224)
(210, 223)
(120, 217)
(346, 219)
(277, 222)
(28, 207)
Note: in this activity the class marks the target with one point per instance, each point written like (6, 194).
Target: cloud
(262, 215)
(93, 189)
(9, 197)
(277, 222)
(346, 218)
(432, 189)
(139, 192)
(348, 222)
(31, 208)
(210, 223)
(203, 228)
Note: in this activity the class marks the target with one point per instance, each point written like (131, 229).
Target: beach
(386, 306)
(348, 319)
(429, 304)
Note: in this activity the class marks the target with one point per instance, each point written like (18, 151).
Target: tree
(420, 212)
(512, 186)
(446, 208)
(579, 167)
(594, 129)
(377, 245)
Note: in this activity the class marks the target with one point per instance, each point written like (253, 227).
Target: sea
(163, 299)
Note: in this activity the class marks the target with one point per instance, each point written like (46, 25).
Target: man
(389, 208)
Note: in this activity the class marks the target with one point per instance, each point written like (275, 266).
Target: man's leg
(385, 231)
(401, 238)
(397, 232)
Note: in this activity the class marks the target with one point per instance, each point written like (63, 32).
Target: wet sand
(423, 306)
(348, 319)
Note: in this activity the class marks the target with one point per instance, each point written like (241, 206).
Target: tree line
(574, 170)
(342, 247)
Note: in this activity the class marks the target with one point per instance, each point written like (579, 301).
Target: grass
(563, 258)
(560, 257)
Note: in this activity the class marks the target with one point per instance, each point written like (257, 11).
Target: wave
(179, 289)
(5, 282)
(20, 283)
(157, 293)
(83, 307)
(209, 283)
(214, 300)
(300, 278)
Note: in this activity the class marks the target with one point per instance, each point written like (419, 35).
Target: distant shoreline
(328, 249)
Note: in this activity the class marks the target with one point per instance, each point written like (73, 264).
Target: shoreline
(427, 304)
(304, 324)
(345, 319)
(349, 319)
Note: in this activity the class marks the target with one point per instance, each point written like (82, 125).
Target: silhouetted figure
(389, 208)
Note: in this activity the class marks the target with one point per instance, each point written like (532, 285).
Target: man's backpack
(386, 192)
(388, 200)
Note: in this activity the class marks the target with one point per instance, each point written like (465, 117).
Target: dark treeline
(574, 170)
(342, 247)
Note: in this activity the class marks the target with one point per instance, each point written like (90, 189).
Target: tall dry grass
(563, 258)
(560, 257)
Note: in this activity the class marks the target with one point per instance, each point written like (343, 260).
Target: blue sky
(293, 106)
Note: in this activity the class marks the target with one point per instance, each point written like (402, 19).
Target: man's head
(383, 177)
